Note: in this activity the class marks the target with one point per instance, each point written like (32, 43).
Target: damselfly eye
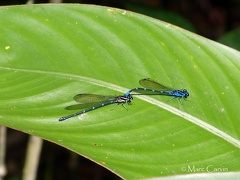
(186, 94)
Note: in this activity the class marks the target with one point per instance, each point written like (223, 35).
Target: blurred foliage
(231, 39)
(162, 14)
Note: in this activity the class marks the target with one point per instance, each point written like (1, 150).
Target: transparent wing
(81, 106)
(92, 98)
(151, 84)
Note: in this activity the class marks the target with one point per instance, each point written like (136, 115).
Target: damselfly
(94, 101)
(155, 88)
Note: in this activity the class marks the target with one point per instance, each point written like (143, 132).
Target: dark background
(214, 19)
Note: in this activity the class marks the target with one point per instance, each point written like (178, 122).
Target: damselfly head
(130, 98)
(186, 94)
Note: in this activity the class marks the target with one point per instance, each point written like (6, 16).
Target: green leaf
(50, 53)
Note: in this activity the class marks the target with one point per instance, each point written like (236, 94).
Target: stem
(30, 2)
(3, 132)
(32, 158)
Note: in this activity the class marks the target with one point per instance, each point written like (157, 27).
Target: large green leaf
(49, 53)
